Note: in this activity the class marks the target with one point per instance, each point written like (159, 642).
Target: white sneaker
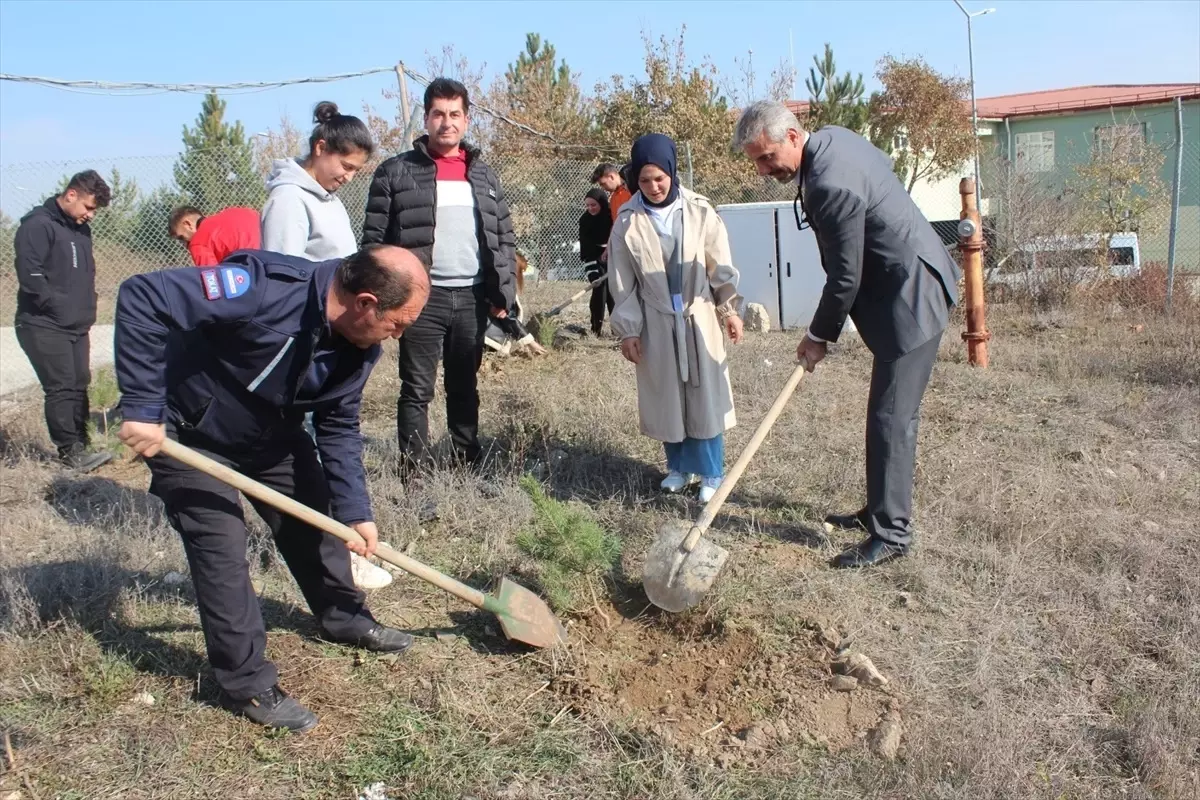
(366, 575)
(676, 482)
(708, 488)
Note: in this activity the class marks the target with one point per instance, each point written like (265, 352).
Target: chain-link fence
(1114, 222)
(545, 196)
(1026, 219)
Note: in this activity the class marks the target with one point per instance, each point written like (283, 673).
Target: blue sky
(1026, 45)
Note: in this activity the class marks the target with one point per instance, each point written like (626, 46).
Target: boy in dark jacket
(56, 308)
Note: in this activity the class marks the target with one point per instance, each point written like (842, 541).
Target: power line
(152, 87)
(111, 87)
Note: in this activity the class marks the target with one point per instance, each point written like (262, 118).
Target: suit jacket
(886, 267)
(222, 354)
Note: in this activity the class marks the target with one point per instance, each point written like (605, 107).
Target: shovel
(558, 309)
(680, 568)
(523, 615)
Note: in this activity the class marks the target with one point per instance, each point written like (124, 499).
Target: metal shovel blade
(674, 579)
(524, 616)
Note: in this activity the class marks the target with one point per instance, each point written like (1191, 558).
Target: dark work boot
(81, 460)
(274, 709)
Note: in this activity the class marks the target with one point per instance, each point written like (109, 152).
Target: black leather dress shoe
(274, 709)
(380, 639)
(868, 553)
(849, 522)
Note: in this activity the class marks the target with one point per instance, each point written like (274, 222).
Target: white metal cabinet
(753, 245)
(801, 277)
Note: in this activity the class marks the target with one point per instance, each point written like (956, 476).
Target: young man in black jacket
(56, 308)
(441, 201)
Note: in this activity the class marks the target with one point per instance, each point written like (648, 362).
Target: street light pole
(974, 109)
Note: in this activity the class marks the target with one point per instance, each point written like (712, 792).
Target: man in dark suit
(887, 269)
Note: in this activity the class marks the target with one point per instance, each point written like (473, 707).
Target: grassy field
(1042, 641)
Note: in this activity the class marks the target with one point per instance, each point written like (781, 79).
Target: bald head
(378, 292)
(391, 274)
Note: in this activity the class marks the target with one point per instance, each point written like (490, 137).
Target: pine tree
(216, 169)
(540, 91)
(835, 100)
(118, 222)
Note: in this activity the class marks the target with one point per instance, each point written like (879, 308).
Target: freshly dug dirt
(723, 695)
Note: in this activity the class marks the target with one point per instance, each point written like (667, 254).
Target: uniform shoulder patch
(235, 281)
(212, 285)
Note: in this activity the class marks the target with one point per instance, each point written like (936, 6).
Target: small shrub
(571, 548)
(544, 330)
(103, 391)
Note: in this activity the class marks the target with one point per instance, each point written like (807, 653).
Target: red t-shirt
(223, 233)
(452, 168)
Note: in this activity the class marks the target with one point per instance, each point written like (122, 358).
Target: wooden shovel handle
(558, 309)
(287, 505)
(713, 507)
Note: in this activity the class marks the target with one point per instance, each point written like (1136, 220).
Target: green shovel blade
(524, 616)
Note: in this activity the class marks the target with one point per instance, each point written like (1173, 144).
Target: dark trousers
(450, 329)
(601, 298)
(893, 411)
(208, 516)
(61, 362)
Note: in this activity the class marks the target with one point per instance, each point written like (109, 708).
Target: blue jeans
(703, 457)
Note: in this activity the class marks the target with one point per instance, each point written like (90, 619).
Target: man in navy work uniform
(887, 269)
(228, 360)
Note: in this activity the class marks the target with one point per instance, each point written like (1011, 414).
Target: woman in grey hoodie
(303, 216)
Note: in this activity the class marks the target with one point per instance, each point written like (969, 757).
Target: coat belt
(685, 339)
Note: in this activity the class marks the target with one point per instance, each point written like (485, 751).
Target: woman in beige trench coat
(675, 294)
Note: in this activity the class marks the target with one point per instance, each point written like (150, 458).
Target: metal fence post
(1174, 234)
(687, 150)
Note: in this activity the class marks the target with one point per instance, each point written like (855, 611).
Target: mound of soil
(716, 694)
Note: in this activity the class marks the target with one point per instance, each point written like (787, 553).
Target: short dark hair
(90, 182)
(363, 272)
(180, 214)
(604, 169)
(342, 133)
(446, 89)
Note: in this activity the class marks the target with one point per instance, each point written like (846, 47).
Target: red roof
(1083, 98)
(1076, 98)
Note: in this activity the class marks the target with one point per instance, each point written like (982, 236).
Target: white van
(1055, 255)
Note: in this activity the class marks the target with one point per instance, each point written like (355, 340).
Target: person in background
(443, 202)
(595, 225)
(675, 289)
(611, 179)
(211, 239)
(304, 217)
(56, 308)
(887, 270)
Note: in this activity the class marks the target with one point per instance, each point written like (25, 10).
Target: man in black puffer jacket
(56, 308)
(442, 203)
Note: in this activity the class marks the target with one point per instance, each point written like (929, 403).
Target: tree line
(918, 116)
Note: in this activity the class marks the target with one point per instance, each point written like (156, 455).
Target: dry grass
(1043, 640)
